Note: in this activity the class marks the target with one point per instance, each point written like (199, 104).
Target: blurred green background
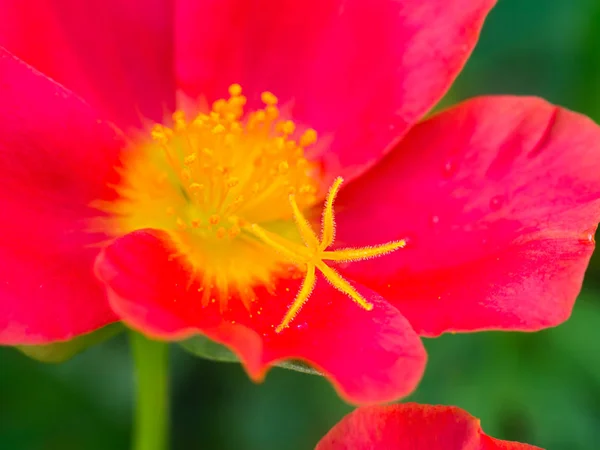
(541, 388)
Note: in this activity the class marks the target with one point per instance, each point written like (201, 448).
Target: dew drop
(435, 220)
(301, 326)
(496, 202)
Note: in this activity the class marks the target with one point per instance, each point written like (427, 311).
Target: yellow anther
(313, 255)
(160, 133)
(221, 232)
(218, 129)
(286, 127)
(268, 98)
(196, 223)
(234, 231)
(190, 159)
(196, 187)
(179, 119)
(214, 219)
(272, 112)
(232, 182)
(283, 167)
(238, 103)
(280, 143)
(235, 90)
(220, 105)
(309, 137)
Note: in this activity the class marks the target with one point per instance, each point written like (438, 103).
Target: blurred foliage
(543, 388)
(62, 351)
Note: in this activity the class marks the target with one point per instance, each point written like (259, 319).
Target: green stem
(152, 398)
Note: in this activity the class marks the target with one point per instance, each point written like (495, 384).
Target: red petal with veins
(117, 55)
(360, 85)
(498, 199)
(56, 157)
(369, 356)
(411, 426)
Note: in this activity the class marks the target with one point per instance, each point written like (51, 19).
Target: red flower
(496, 199)
(411, 426)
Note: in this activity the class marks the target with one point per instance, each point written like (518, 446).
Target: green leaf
(205, 348)
(61, 351)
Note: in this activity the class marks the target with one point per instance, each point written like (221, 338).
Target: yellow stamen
(308, 285)
(314, 254)
(342, 285)
(359, 254)
(306, 232)
(328, 222)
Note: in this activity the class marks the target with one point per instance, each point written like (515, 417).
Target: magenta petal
(117, 55)
(499, 199)
(411, 426)
(56, 158)
(359, 72)
(370, 356)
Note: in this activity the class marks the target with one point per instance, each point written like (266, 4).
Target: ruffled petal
(117, 55)
(360, 73)
(411, 426)
(56, 157)
(498, 199)
(369, 356)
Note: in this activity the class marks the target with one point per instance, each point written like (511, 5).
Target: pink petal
(117, 55)
(411, 426)
(499, 200)
(56, 157)
(360, 73)
(369, 356)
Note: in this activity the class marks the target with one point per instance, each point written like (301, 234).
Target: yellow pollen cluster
(314, 253)
(235, 168)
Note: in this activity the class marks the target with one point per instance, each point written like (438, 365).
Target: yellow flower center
(230, 189)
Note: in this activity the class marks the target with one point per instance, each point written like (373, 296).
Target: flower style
(167, 164)
(412, 426)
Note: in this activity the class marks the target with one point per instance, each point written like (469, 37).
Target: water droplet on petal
(301, 326)
(435, 220)
(496, 202)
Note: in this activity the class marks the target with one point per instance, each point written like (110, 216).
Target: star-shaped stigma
(314, 253)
